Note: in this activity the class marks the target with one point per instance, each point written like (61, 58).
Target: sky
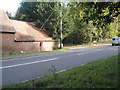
(10, 5)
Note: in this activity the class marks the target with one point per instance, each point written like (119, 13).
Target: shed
(17, 36)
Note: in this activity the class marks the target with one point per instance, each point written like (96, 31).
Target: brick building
(17, 36)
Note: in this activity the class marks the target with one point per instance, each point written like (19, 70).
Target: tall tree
(101, 13)
(82, 22)
(47, 15)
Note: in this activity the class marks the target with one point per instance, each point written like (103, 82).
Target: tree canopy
(82, 22)
(101, 13)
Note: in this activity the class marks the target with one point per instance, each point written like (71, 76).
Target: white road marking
(37, 56)
(25, 58)
(43, 60)
(29, 63)
(70, 51)
(76, 47)
(82, 64)
(90, 52)
(83, 53)
(61, 70)
(69, 68)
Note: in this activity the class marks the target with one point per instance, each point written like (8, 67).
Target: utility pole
(61, 25)
(46, 20)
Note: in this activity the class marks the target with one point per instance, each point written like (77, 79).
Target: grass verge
(93, 44)
(98, 74)
(28, 53)
(89, 44)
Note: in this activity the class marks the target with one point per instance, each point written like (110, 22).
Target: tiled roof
(24, 31)
(5, 24)
(28, 32)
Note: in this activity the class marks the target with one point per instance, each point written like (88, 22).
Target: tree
(26, 11)
(47, 15)
(101, 13)
(82, 22)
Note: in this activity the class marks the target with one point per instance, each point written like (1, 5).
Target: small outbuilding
(17, 36)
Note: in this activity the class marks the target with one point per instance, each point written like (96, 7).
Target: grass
(28, 53)
(98, 74)
(92, 44)
(88, 44)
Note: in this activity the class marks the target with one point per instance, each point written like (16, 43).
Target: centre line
(90, 52)
(28, 63)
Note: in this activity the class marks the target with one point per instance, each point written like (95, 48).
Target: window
(113, 39)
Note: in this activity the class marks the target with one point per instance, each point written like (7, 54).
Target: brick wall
(8, 45)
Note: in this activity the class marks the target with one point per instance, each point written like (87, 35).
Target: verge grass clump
(29, 53)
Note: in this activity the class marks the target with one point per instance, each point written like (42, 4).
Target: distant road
(22, 68)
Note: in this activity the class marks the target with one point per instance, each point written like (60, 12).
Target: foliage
(101, 13)
(93, 21)
(38, 12)
(52, 70)
(82, 22)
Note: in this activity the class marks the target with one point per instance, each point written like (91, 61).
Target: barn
(17, 36)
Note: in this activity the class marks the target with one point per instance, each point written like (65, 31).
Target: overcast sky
(10, 5)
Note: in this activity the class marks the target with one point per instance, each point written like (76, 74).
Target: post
(61, 25)
(40, 46)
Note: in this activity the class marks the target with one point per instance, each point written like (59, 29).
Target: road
(22, 68)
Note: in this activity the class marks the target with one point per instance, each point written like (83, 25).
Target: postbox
(41, 44)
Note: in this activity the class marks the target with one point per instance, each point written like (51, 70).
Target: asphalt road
(21, 68)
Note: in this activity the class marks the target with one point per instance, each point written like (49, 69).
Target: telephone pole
(61, 25)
